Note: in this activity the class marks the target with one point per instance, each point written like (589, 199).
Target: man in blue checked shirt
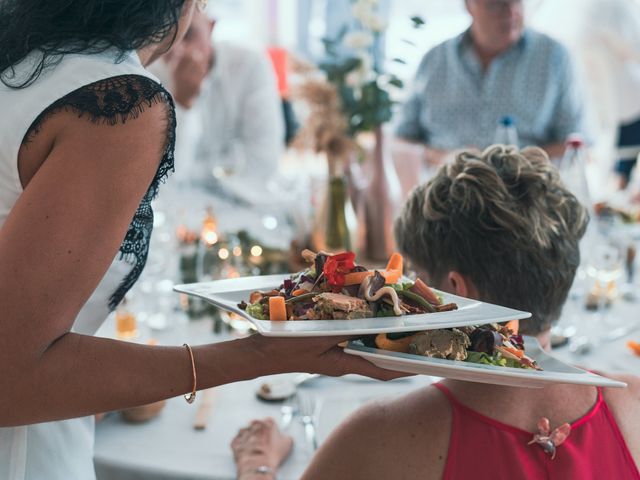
(496, 68)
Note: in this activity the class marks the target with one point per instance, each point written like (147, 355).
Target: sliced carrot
(515, 351)
(356, 278)
(277, 309)
(395, 263)
(514, 326)
(300, 291)
(392, 276)
(634, 346)
(400, 345)
(425, 292)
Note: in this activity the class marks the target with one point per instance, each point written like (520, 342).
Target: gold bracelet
(190, 398)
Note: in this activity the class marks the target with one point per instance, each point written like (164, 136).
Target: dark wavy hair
(59, 27)
(504, 218)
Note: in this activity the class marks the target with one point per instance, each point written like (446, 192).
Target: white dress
(61, 450)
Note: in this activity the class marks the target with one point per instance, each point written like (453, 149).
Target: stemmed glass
(603, 263)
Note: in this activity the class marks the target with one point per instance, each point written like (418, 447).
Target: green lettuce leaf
(483, 358)
(255, 310)
(497, 360)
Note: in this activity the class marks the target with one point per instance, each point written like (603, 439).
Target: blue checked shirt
(454, 104)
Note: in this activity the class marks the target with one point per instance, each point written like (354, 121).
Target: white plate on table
(554, 370)
(227, 293)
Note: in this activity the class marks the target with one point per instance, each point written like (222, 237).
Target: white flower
(365, 12)
(358, 40)
(362, 11)
(375, 23)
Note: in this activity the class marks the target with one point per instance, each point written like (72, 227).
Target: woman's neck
(147, 55)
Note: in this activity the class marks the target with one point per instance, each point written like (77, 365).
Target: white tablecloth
(169, 448)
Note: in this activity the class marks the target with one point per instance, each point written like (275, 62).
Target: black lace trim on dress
(112, 101)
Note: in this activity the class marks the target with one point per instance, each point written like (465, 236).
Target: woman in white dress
(86, 136)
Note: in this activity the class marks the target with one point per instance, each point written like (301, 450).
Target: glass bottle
(337, 218)
(573, 171)
(380, 203)
(126, 324)
(507, 133)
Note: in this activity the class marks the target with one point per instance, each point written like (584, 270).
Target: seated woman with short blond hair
(502, 228)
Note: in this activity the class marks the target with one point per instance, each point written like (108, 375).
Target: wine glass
(605, 265)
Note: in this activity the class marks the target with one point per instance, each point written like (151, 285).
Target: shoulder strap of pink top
(446, 392)
(618, 435)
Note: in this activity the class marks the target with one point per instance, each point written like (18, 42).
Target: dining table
(170, 447)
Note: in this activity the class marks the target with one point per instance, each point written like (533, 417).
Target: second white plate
(554, 370)
(227, 293)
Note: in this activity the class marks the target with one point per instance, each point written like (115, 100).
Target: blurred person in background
(610, 40)
(230, 120)
(482, 221)
(496, 68)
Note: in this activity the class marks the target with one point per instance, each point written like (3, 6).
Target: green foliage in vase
(364, 88)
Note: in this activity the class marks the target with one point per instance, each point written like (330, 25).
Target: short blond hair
(505, 219)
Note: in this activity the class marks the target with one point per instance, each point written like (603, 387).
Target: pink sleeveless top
(483, 448)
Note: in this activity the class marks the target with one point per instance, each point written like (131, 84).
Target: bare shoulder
(624, 397)
(132, 126)
(625, 406)
(401, 438)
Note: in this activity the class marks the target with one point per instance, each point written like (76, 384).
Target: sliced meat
(339, 306)
(450, 344)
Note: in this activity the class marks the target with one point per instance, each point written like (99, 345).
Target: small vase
(380, 203)
(336, 221)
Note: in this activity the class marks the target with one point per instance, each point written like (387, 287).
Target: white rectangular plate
(554, 370)
(227, 293)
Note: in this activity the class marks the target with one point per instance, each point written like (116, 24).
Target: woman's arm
(56, 245)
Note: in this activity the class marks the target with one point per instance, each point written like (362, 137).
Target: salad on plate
(334, 287)
(490, 344)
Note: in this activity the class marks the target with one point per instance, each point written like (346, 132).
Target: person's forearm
(80, 375)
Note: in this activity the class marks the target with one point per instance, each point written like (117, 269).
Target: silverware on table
(307, 409)
(287, 412)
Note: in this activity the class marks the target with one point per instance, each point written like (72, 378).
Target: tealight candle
(209, 227)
